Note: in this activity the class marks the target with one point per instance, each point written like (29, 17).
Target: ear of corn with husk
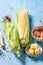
(13, 36)
(23, 26)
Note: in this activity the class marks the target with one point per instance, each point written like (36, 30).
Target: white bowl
(27, 48)
(38, 39)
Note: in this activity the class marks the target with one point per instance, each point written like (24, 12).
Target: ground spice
(1, 53)
(10, 6)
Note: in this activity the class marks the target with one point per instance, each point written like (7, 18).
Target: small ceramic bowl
(28, 47)
(36, 28)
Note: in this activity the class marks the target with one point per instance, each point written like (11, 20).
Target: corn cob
(23, 26)
(12, 35)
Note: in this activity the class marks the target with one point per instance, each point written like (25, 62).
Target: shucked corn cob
(23, 25)
(12, 35)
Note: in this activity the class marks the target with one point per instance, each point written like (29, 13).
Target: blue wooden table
(35, 10)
